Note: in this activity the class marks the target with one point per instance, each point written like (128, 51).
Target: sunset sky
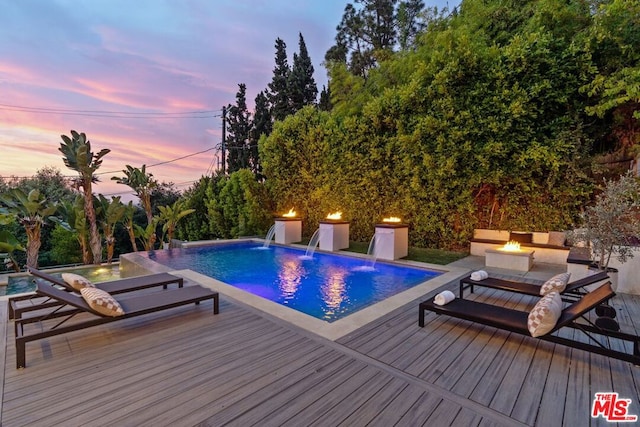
(146, 79)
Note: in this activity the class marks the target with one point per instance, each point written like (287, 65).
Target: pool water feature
(327, 287)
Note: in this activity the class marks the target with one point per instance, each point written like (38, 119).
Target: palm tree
(142, 183)
(31, 210)
(74, 220)
(79, 157)
(147, 235)
(111, 212)
(129, 211)
(170, 215)
(8, 245)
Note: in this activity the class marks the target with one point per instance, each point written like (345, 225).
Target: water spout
(371, 252)
(270, 234)
(313, 243)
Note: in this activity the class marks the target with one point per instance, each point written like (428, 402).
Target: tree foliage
(111, 212)
(196, 227)
(238, 206)
(489, 116)
(278, 93)
(261, 125)
(482, 123)
(239, 126)
(74, 221)
(31, 210)
(170, 216)
(301, 84)
(612, 222)
(142, 183)
(79, 157)
(371, 30)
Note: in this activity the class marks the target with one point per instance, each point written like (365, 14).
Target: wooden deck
(186, 367)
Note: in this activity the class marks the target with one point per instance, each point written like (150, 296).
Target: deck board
(276, 397)
(555, 388)
(244, 367)
(533, 384)
(4, 324)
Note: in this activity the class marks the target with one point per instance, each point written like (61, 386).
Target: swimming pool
(327, 286)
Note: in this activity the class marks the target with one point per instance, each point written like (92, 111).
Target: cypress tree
(262, 125)
(278, 94)
(238, 132)
(325, 100)
(302, 87)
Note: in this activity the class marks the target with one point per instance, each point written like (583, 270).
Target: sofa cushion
(557, 238)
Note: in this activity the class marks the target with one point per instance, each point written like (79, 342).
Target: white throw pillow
(545, 314)
(556, 284)
(102, 302)
(77, 281)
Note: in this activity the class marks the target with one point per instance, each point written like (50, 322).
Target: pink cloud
(154, 58)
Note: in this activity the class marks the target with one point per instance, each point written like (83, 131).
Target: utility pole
(224, 137)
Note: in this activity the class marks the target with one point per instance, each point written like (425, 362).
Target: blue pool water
(328, 286)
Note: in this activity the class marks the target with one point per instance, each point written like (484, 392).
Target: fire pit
(391, 239)
(510, 256)
(334, 233)
(288, 228)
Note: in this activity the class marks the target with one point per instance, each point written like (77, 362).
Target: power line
(165, 162)
(131, 192)
(201, 114)
(119, 171)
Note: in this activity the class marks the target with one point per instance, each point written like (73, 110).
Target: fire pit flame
(336, 215)
(391, 219)
(290, 214)
(511, 247)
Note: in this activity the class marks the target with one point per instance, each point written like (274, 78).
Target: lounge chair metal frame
(26, 303)
(516, 321)
(572, 292)
(68, 305)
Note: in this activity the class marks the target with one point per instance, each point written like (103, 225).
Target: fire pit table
(520, 260)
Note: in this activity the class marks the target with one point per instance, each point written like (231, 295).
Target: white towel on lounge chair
(444, 297)
(479, 275)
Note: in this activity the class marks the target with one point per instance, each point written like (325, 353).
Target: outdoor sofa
(550, 247)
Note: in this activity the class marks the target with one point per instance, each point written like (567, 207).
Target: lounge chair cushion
(557, 283)
(545, 314)
(76, 281)
(102, 302)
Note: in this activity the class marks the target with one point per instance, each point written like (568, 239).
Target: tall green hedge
(482, 126)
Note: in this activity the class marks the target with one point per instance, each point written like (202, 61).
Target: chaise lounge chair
(70, 305)
(572, 289)
(26, 303)
(516, 321)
